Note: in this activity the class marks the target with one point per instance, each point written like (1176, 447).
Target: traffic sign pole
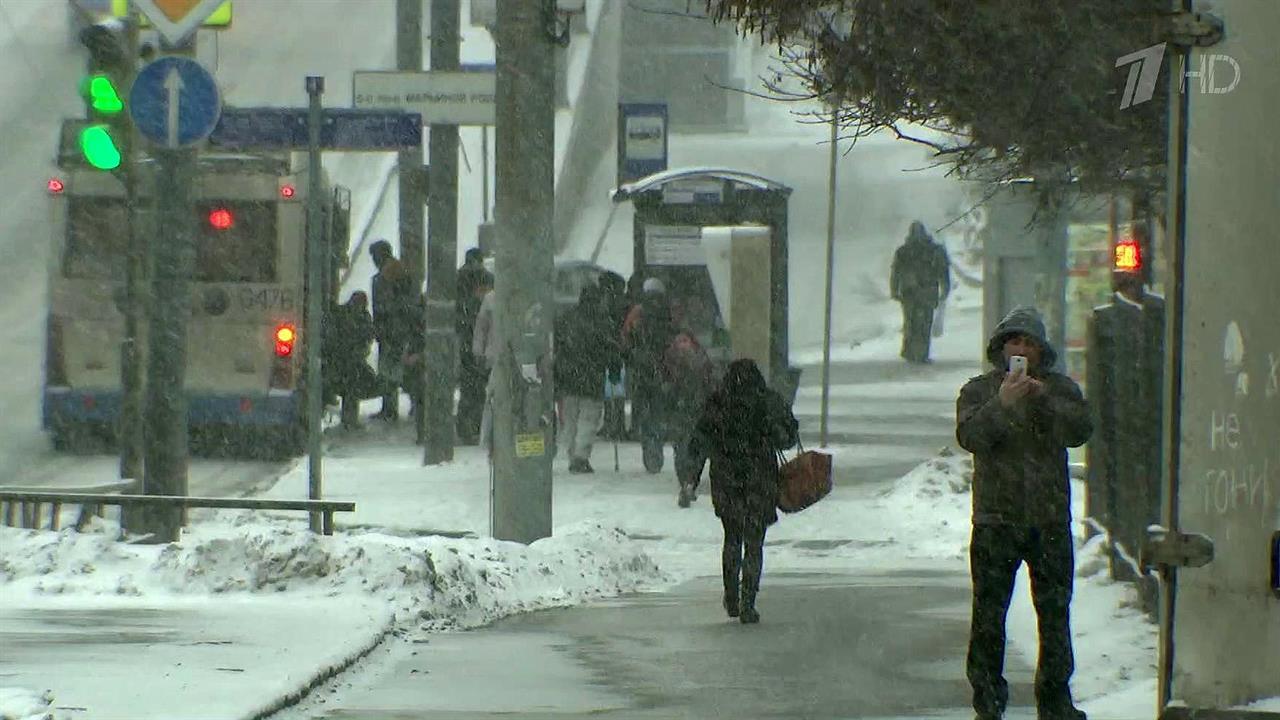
(316, 254)
(174, 102)
(132, 375)
(436, 417)
(166, 440)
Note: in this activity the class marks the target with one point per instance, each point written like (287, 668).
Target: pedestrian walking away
(474, 282)
(1018, 421)
(394, 299)
(741, 430)
(690, 378)
(345, 350)
(920, 279)
(646, 335)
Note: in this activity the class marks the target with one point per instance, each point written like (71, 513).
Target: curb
(324, 675)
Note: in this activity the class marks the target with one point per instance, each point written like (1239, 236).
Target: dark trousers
(995, 553)
(917, 330)
(391, 372)
(649, 420)
(473, 377)
(742, 560)
(615, 419)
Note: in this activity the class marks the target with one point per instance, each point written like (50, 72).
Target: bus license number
(266, 299)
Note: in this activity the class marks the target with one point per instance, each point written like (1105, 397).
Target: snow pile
(450, 582)
(1115, 641)
(930, 507)
(22, 704)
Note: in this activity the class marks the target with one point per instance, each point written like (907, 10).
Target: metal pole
(523, 417)
(413, 186)
(435, 417)
(831, 249)
(1171, 467)
(316, 252)
(132, 375)
(484, 172)
(174, 255)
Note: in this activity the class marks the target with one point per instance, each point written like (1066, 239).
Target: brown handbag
(803, 480)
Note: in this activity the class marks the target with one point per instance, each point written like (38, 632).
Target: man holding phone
(1018, 421)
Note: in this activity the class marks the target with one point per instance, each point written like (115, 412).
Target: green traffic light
(99, 147)
(102, 95)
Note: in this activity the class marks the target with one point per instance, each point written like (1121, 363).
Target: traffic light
(1128, 256)
(104, 139)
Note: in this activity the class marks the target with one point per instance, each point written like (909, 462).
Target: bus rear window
(97, 238)
(236, 241)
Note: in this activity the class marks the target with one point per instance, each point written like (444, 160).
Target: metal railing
(22, 508)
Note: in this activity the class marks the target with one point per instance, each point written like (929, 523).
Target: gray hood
(1023, 319)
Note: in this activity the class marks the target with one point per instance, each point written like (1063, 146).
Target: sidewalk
(145, 658)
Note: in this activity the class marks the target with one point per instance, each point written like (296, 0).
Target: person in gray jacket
(1018, 423)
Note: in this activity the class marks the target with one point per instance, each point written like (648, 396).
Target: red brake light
(56, 186)
(1128, 255)
(221, 219)
(287, 192)
(285, 337)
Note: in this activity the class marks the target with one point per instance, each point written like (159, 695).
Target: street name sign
(176, 20)
(174, 102)
(340, 129)
(442, 98)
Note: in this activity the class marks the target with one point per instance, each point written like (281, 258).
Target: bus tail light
(55, 364)
(284, 338)
(56, 186)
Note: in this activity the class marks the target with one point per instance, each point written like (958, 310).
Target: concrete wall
(1023, 264)
(671, 55)
(592, 127)
(1227, 620)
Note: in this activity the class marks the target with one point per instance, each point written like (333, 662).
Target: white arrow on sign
(173, 83)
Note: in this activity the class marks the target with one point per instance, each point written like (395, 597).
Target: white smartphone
(1018, 364)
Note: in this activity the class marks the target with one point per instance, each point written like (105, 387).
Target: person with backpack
(919, 279)
(646, 335)
(741, 430)
(690, 379)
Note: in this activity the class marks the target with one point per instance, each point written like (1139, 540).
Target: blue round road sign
(174, 102)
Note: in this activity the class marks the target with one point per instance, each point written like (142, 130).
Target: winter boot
(731, 604)
(747, 610)
(686, 495)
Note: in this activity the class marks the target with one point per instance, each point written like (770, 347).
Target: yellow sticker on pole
(530, 445)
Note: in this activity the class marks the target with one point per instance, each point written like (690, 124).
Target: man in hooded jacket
(919, 279)
(1018, 425)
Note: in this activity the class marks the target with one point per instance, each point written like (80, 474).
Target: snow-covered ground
(359, 583)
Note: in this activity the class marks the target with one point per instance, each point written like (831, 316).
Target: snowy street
(412, 609)
(864, 595)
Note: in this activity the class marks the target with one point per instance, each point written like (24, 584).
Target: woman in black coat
(742, 427)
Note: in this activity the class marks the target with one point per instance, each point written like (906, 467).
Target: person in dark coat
(614, 288)
(919, 279)
(394, 301)
(1018, 425)
(415, 357)
(347, 339)
(690, 376)
(473, 283)
(741, 429)
(586, 351)
(646, 335)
